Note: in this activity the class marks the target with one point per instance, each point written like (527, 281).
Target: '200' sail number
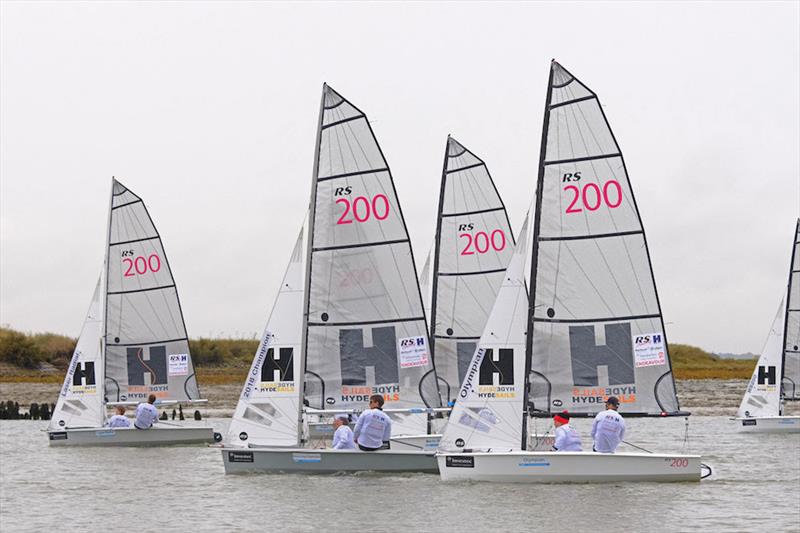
(141, 265)
(362, 209)
(482, 241)
(590, 197)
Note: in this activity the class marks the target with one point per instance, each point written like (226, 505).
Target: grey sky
(208, 112)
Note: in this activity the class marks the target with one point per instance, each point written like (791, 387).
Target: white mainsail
(80, 402)
(474, 244)
(146, 347)
(488, 411)
(268, 409)
(762, 397)
(365, 326)
(597, 328)
(791, 358)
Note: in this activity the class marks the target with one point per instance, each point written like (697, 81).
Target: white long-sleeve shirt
(118, 421)
(146, 415)
(608, 430)
(567, 439)
(374, 427)
(343, 439)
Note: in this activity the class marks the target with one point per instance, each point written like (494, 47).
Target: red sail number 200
(590, 197)
(141, 265)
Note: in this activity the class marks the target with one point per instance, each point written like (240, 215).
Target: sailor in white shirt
(146, 414)
(608, 428)
(343, 436)
(119, 420)
(374, 427)
(567, 439)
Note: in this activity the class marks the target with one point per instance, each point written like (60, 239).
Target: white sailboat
(776, 378)
(591, 328)
(350, 308)
(133, 342)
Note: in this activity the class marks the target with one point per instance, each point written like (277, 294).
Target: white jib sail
(763, 392)
(488, 410)
(268, 409)
(426, 286)
(80, 402)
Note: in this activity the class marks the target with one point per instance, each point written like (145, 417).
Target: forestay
(791, 362)
(473, 245)
(597, 325)
(488, 412)
(269, 406)
(80, 402)
(147, 350)
(763, 394)
(366, 331)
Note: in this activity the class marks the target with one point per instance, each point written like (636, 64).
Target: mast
(534, 260)
(436, 253)
(789, 302)
(307, 286)
(104, 298)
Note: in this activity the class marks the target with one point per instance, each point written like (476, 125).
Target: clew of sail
(596, 319)
(763, 394)
(474, 244)
(80, 401)
(791, 357)
(147, 350)
(365, 329)
(268, 408)
(488, 413)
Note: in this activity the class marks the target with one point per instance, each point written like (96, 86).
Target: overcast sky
(208, 111)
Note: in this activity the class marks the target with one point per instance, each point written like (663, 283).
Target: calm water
(755, 486)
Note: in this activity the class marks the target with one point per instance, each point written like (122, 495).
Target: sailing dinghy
(776, 377)
(133, 342)
(592, 327)
(347, 323)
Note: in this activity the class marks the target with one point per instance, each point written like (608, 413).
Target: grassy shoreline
(43, 358)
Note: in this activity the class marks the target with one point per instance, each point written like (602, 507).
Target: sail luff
(791, 307)
(105, 276)
(436, 253)
(312, 211)
(537, 219)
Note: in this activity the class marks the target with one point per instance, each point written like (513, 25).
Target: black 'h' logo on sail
(501, 364)
(152, 362)
(84, 374)
(616, 355)
(355, 357)
(767, 375)
(280, 368)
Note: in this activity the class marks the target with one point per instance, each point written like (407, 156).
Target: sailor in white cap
(343, 437)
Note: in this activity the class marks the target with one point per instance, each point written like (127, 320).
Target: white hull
(768, 424)
(155, 436)
(567, 467)
(428, 443)
(325, 461)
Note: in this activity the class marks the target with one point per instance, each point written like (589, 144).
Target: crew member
(608, 428)
(119, 420)
(374, 427)
(146, 414)
(567, 439)
(343, 436)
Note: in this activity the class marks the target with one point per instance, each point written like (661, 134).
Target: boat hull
(325, 461)
(155, 436)
(567, 467)
(768, 424)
